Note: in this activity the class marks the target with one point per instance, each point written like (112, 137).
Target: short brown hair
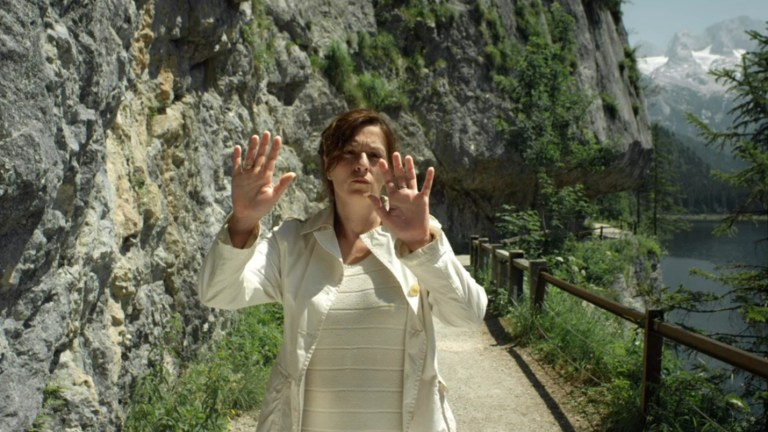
(342, 130)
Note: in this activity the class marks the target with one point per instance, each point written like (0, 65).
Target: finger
(397, 167)
(426, 189)
(378, 208)
(277, 142)
(410, 173)
(250, 154)
(282, 185)
(389, 181)
(236, 159)
(262, 150)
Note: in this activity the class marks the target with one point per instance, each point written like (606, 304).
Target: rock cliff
(117, 120)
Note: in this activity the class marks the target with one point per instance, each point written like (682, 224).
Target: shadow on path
(502, 338)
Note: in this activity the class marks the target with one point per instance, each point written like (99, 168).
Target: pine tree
(662, 187)
(747, 139)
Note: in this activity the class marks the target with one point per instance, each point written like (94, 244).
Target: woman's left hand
(408, 214)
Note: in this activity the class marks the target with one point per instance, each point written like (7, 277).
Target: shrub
(380, 94)
(229, 376)
(609, 105)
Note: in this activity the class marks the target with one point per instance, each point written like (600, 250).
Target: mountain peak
(680, 82)
(723, 38)
(731, 34)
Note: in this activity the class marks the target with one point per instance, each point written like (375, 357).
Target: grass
(228, 377)
(369, 89)
(601, 355)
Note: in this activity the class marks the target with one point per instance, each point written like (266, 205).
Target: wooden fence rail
(507, 270)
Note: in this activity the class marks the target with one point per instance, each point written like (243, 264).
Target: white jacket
(299, 265)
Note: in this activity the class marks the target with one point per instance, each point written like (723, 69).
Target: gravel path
(493, 387)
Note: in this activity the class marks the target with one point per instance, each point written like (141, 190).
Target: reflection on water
(699, 249)
(700, 243)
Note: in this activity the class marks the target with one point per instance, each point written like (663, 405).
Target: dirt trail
(495, 388)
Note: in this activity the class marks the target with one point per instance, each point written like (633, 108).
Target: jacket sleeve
(454, 296)
(233, 278)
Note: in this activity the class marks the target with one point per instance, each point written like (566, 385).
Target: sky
(656, 21)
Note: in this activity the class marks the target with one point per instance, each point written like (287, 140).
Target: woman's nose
(362, 161)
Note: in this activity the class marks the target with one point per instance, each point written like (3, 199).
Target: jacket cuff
(223, 236)
(428, 254)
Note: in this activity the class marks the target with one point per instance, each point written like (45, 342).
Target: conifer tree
(662, 186)
(747, 140)
(747, 137)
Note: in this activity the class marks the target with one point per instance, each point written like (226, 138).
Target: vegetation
(52, 402)
(366, 88)
(596, 351)
(378, 71)
(660, 194)
(613, 6)
(609, 105)
(628, 66)
(679, 181)
(546, 126)
(601, 355)
(747, 140)
(542, 231)
(259, 36)
(229, 377)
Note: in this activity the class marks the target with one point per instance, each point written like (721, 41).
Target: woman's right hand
(253, 193)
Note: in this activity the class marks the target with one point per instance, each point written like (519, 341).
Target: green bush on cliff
(369, 89)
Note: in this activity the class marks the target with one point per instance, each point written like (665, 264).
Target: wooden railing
(508, 267)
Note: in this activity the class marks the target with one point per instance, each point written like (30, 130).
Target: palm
(408, 214)
(253, 192)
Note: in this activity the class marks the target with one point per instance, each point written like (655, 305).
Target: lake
(699, 248)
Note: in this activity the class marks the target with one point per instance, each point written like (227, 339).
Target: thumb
(378, 207)
(282, 185)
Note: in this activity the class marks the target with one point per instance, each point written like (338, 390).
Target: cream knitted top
(354, 379)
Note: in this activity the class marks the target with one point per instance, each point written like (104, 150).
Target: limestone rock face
(117, 122)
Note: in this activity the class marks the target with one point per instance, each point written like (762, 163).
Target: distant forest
(688, 166)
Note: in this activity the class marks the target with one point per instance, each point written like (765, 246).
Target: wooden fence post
(482, 259)
(515, 276)
(473, 251)
(495, 273)
(536, 284)
(652, 353)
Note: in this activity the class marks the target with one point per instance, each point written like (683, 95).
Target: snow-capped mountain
(679, 81)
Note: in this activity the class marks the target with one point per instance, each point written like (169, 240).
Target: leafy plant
(380, 93)
(368, 88)
(628, 65)
(231, 375)
(559, 214)
(609, 105)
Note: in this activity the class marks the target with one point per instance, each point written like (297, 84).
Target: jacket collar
(321, 220)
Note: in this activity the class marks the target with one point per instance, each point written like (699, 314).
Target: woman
(359, 283)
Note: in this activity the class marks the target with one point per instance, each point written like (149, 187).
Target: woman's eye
(374, 156)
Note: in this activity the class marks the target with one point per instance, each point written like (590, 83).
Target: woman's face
(357, 172)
